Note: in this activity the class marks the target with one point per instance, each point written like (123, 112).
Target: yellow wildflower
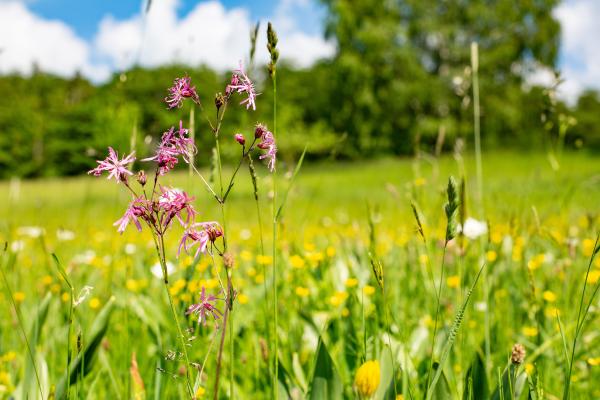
(297, 261)
(132, 285)
(491, 256)
(94, 303)
(529, 368)
(423, 258)
(420, 182)
(19, 297)
(264, 260)
(549, 296)
(351, 282)
(200, 392)
(587, 247)
(593, 361)
(453, 281)
(530, 331)
(593, 277)
(243, 298)
(246, 255)
(367, 378)
(368, 290)
(302, 291)
(330, 251)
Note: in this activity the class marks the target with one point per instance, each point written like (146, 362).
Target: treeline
(401, 80)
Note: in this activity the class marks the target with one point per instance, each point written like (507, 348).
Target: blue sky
(99, 37)
(84, 15)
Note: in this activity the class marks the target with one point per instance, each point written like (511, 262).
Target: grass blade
(451, 337)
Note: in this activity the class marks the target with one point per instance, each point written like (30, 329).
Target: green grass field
(333, 314)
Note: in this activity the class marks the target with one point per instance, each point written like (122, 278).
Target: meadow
(357, 280)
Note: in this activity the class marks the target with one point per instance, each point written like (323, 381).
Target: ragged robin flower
(204, 306)
(181, 89)
(116, 168)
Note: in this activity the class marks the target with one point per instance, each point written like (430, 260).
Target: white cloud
(209, 34)
(27, 40)
(581, 58)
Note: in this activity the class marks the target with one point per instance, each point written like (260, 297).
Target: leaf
(511, 384)
(476, 382)
(326, 383)
(387, 375)
(86, 357)
(28, 388)
(442, 389)
(452, 336)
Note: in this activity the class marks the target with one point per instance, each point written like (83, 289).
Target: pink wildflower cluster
(173, 144)
(116, 168)
(200, 233)
(240, 83)
(180, 90)
(267, 142)
(204, 307)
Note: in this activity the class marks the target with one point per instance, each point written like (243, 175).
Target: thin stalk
(161, 254)
(580, 321)
(275, 308)
(437, 312)
(389, 328)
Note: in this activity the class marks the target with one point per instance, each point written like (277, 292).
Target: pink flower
(204, 307)
(242, 84)
(240, 138)
(207, 232)
(172, 145)
(267, 143)
(181, 89)
(138, 208)
(173, 202)
(117, 168)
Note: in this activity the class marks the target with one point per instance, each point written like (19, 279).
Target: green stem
(275, 308)
(161, 253)
(437, 312)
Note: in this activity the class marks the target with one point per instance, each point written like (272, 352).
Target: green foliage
(326, 383)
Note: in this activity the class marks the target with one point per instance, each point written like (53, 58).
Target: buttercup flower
(242, 84)
(204, 306)
(367, 378)
(181, 89)
(116, 168)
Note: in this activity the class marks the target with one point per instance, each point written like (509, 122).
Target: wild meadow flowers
(157, 206)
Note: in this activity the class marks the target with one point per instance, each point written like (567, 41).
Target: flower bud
(219, 100)
(141, 178)
(260, 131)
(518, 354)
(228, 260)
(240, 139)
